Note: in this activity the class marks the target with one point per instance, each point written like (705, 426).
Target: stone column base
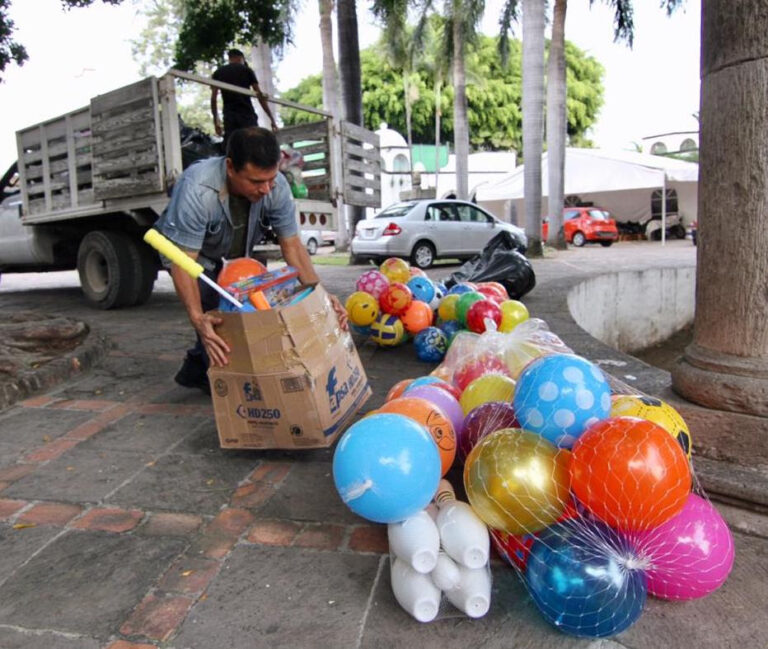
(722, 381)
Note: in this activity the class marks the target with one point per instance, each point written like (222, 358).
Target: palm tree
(533, 111)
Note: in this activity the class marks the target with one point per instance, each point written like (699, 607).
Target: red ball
(395, 298)
(476, 367)
(481, 311)
(492, 293)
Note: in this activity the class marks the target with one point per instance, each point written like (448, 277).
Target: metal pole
(664, 210)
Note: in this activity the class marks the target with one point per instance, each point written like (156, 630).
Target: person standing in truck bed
(238, 110)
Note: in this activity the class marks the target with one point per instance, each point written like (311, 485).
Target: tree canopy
(494, 96)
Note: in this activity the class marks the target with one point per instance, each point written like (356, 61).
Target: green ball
(465, 301)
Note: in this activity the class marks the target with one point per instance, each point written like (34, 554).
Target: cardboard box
(294, 380)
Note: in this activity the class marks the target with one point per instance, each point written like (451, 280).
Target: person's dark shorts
(234, 121)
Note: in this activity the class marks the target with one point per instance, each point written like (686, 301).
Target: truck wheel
(106, 268)
(146, 263)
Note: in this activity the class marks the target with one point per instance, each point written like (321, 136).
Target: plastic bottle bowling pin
(414, 591)
(463, 535)
(446, 574)
(416, 541)
(473, 594)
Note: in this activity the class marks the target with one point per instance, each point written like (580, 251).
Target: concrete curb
(45, 377)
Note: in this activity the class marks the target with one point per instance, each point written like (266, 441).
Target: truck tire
(106, 266)
(146, 263)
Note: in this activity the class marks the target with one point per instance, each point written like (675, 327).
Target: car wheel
(606, 244)
(311, 246)
(578, 239)
(423, 254)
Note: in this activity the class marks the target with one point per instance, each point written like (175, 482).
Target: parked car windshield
(599, 215)
(398, 209)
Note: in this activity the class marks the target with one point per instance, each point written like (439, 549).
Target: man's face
(251, 182)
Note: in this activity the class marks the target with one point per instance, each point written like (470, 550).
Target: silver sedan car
(424, 230)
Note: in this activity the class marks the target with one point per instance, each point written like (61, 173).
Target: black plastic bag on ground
(500, 261)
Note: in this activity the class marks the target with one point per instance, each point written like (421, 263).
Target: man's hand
(341, 312)
(275, 127)
(217, 349)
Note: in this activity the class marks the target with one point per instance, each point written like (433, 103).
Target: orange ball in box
(236, 270)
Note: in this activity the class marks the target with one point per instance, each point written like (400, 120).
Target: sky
(77, 54)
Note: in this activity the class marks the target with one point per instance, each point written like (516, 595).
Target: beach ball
(430, 344)
(373, 282)
(446, 310)
(416, 316)
(497, 287)
(396, 270)
(434, 421)
(362, 308)
(422, 288)
(483, 420)
(443, 400)
(517, 481)
(586, 578)
(444, 384)
(434, 303)
(689, 556)
(397, 389)
(560, 396)
(491, 293)
(422, 380)
(489, 387)
(513, 312)
(395, 298)
(387, 330)
(239, 269)
(630, 473)
(465, 301)
(655, 410)
(416, 272)
(386, 467)
(481, 313)
(477, 366)
(460, 288)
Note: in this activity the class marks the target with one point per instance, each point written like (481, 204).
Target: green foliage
(10, 50)
(494, 96)
(209, 28)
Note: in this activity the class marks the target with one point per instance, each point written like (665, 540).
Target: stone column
(726, 366)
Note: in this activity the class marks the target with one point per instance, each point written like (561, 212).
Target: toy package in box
(276, 286)
(294, 379)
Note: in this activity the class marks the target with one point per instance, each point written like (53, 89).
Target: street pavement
(123, 525)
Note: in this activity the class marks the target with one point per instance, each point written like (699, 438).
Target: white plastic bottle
(446, 575)
(415, 541)
(463, 535)
(473, 594)
(414, 591)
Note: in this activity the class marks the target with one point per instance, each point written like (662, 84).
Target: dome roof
(389, 138)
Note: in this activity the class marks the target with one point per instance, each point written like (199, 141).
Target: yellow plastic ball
(362, 308)
(517, 481)
(489, 387)
(447, 307)
(655, 410)
(513, 312)
(396, 270)
(387, 330)
(518, 354)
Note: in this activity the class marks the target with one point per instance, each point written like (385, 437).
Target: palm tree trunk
(438, 115)
(556, 126)
(533, 127)
(261, 60)
(408, 109)
(460, 120)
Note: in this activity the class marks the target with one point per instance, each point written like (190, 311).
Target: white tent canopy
(620, 181)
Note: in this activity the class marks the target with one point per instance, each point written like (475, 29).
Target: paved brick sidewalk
(125, 526)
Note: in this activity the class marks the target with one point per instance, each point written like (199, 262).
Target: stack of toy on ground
(398, 301)
(589, 495)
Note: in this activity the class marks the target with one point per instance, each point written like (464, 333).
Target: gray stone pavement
(124, 525)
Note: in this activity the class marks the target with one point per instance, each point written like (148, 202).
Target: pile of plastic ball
(397, 302)
(587, 487)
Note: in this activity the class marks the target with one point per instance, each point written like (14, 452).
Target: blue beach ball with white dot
(422, 288)
(430, 344)
(560, 396)
(386, 467)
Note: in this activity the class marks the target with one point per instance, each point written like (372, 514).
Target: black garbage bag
(196, 144)
(500, 261)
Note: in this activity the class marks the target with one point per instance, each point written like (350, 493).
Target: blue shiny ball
(560, 396)
(386, 467)
(450, 329)
(458, 289)
(585, 579)
(422, 288)
(430, 344)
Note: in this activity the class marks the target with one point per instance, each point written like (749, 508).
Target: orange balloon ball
(239, 269)
(417, 316)
(433, 419)
(630, 473)
(397, 389)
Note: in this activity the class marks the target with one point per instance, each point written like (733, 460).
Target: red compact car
(586, 225)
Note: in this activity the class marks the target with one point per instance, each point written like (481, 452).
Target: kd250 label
(262, 413)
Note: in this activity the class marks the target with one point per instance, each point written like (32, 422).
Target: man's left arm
(263, 101)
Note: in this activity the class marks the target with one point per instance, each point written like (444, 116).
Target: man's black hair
(235, 52)
(254, 145)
